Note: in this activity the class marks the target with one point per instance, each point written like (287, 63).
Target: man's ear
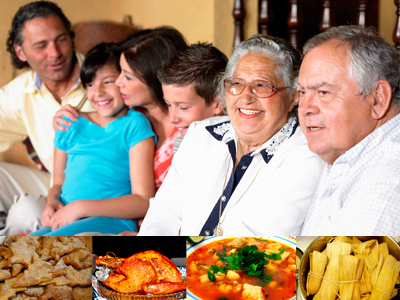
(20, 52)
(217, 106)
(382, 95)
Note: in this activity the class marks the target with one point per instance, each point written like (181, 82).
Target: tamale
(344, 239)
(384, 286)
(372, 258)
(365, 281)
(383, 249)
(330, 286)
(350, 270)
(318, 263)
(357, 285)
(377, 270)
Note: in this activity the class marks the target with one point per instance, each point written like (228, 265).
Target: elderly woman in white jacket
(248, 174)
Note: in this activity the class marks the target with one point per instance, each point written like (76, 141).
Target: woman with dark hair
(141, 58)
(103, 165)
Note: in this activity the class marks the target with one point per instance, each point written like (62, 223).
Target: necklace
(218, 229)
(240, 148)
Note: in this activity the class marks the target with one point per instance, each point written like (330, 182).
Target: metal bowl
(319, 244)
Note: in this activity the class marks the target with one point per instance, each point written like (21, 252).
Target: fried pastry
(71, 277)
(55, 251)
(7, 290)
(22, 253)
(73, 241)
(38, 272)
(82, 293)
(34, 291)
(57, 293)
(4, 274)
(16, 269)
(44, 259)
(76, 257)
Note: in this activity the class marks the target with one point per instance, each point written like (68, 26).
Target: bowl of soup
(234, 268)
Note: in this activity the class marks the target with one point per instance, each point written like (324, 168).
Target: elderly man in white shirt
(349, 99)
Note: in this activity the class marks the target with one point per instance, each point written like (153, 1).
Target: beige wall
(198, 20)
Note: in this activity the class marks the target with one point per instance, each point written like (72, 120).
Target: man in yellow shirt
(40, 39)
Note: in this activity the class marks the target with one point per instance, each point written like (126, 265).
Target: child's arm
(53, 198)
(141, 161)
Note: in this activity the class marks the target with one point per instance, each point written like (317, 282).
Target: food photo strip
(43, 268)
(233, 268)
(133, 268)
(349, 268)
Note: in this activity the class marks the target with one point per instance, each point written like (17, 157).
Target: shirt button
(207, 232)
(223, 198)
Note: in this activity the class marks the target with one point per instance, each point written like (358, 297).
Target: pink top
(163, 158)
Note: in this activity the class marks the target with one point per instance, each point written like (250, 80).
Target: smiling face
(186, 106)
(104, 94)
(257, 120)
(332, 115)
(133, 90)
(47, 47)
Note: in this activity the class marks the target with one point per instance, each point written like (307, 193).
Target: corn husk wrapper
(343, 239)
(384, 250)
(318, 263)
(357, 285)
(373, 257)
(376, 271)
(330, 287)
(384, 286)
(350, 270)
(365, 281)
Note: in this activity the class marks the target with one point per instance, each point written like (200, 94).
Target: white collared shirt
(270, 199)
(360, 193)
(27, 108)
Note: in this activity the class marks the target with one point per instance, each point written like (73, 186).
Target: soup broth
(226, 269)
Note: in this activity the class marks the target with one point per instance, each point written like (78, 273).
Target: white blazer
(270, 199)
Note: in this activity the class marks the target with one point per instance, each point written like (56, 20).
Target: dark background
(125, 246)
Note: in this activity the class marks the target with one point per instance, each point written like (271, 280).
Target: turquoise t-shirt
(98, 158)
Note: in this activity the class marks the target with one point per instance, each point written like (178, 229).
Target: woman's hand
(66, 111)
(51, 207)
(66, 215)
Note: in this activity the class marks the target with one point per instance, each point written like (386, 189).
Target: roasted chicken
(149, 272)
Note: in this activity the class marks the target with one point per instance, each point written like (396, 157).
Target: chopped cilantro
(248, 259)
(223, 298)
(210, 276)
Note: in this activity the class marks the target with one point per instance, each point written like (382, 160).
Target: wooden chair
(298, 20)
(90, 33)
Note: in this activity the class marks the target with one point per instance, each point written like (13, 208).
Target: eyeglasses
(260, 88)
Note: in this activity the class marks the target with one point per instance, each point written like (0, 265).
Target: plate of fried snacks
(350, 268)
(144, 275)
(45, 268)
(234, 268)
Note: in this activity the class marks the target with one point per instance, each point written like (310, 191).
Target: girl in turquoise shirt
(103, 165)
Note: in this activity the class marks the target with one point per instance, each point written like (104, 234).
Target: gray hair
(371, 57)
(285, 55)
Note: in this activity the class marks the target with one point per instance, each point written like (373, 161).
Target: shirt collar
(224, 132)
